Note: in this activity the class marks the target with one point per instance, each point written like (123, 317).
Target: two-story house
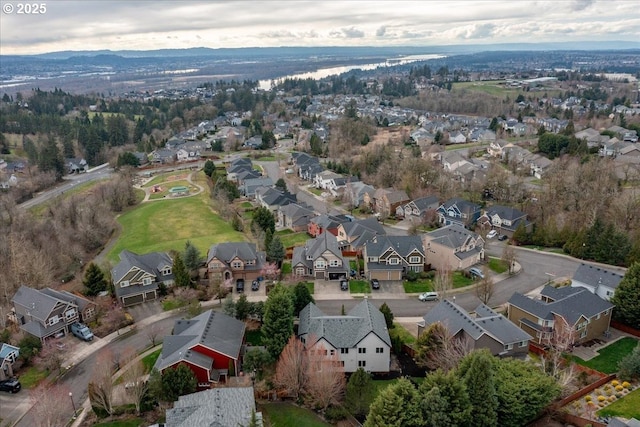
(353, 235)
(354, 193)
(391, 257)
(207, 344)
(418, 208)
(386, 200)
(570, 315)
(504, 219)
(360, 338)
(322, 223)
(458, 211)
(320, 258)
(136, 277)
(452, 248)
(294, 217)
(248, 187)
(487, 329)
(42, 314)
(273, 198)
(596, 280)
(235, 260)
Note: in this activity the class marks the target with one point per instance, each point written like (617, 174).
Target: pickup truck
(82, 331)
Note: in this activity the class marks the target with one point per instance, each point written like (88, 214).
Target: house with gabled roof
(136, 277)
(273, 198)
(43, 314)
(353, 235)
(575, 312)
(386, 200)
(216, 407)
(360, 338)
(487, 329)
(458, 211)
(596, 280)
(324, 222)
(320, 258)
(8, 356)
(294, 217)
(248, 187)
(208, 344)
(235, 260)
(418, 208)
(391, 257)
(86, 308)
(452, 248)
(504, 219)
(76, 165)
(355, 192)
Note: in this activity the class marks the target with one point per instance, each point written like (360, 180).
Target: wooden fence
(624, 328)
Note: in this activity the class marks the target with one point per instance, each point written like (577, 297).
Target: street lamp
(72, 403)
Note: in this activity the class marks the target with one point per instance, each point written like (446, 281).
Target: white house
(360, 338)
(596, 280)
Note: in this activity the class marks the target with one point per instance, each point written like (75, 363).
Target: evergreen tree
(627, 298)
(359, 393)
(242, 307)
(301, 297)
(396, 406)
(477, 372)
(263, 218)
(452, 393)
(180, 273)
(388, 315)
(192, 259)
(209, 168)
(268, 237)
(277, 324)
(178, 382)
(281, 184)
(275, 251)
(94, 280)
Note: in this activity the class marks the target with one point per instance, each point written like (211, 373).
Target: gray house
(248, 187)
(596, 280)
(487, 329)
(320, 258)
(391, 257)
(8, 356)
(136, 277)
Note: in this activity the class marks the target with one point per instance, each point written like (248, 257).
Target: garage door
(380, 275)
(150, 295)
(336, 276)
(133, 299)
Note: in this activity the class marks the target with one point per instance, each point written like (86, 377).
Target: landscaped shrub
(615, 383)
(601, 398)
(619, 388)
(626, 384)
(333, 414)
(588, 398)
(611, 398)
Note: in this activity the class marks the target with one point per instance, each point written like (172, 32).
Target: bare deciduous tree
(135, 382)
(443, 282)
(438, 349)
(50, 356)
(152, 333)
(291, 370)
(509, 257)
(484, 287)
(325, 378)
(47, 399)
(553, 360)
(101, 386)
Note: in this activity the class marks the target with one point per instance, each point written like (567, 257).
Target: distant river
(332, 71)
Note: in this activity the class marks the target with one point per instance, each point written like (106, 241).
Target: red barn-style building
(207, 344)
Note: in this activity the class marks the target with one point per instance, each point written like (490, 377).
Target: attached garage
(336, 276)
(385, 275)
(132, 299)
(151, 295)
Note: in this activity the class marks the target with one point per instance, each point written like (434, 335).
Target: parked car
(352, 273)
(375, 284)
(82, 331)
(255, 285)
(476, 272)
(428, 296)
(240, 285)
(11, 385)
(344, 285)
(502, 237)
(491, 234)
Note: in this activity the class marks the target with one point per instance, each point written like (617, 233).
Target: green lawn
(607, 360)
(286, 267)
(288, 415)
(420, 285)
(289, 238)
(497, 265)
(168, 224)
(135, 422)
(254, 337)
(626, 407)
(359, 287)
(315, 191)
(399, 331)
(171, 304)
(32, 376)
(460, 281)
(163, 178)
(150, 359)
(246, 205)
(164, 189)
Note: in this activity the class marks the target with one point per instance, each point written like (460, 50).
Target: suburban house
(458, 211)
(386, 200)
(487, 329)
(238, 166)
(248, 187)
(497, 148)
(43, 315)
(320, 258)
(504, 219)
(8, 356)
(209, 344)
(391, 257)
(452, 247)
(325, 179)
(353, 235)
(596, 280)
(418, 208)
(235, 260)
(294, 216)
(219, 407)
(76, 165)
(273, 198)
(360, 338)
(136, 277)
(86, 308)
(568, 314)
(321, 223)
(354, 193)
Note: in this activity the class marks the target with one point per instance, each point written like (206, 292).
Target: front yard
(420, 285)
(359, 287)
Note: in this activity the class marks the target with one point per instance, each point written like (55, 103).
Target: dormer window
(146, 281)
(393, 261)
(166, 271)
(124, 283)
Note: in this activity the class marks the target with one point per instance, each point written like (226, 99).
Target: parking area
(330, 289)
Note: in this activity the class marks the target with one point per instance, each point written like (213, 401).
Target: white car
(492, 234)
(428, 296)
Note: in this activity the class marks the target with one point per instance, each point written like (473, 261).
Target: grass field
(424, 285)
(497, 265)
(460, 281)
(626, 407)
(399, 331)
(289, 238)
(359, 287)
(150, 359)
(288, 415)
(134, 422)
(607, 360)
(32, 376)
(164, 225)
(169, 177)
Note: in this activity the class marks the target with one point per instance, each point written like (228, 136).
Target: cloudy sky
(144, 25)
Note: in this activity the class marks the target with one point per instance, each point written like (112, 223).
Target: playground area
(169, 185)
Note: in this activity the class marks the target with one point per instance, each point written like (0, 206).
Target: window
(508, 346)
(324, 352)
(523, 343)
(414, 259)
(167, 271)
(213, 266)
(70, 313)
(334, 263)
(379, 350)
(362, 363)
(124, 283)
(300, 271)
(332, 352)
(393, 261)
(342, 363)
(597, 316)
(344, 350)
(53, 320)
(583, 334)
(251, 262)
(362, 350)
(236, 264)
(146, 281)
(320, 264)
(89, 313)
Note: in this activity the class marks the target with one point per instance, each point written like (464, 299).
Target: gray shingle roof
(246, 251)
(344, 331)
(425, 203)
(403, 245)
(218, 407)
(81, 302)
(505, 212)
(217, 331)
(596, 276)
(38, 303)
(452, 236)
(150, 263)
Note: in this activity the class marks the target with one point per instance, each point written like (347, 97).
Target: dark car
(240, 285)
(353, 273)
(344, 285)
(255, 285)
(502, 237)
(375, 284)
(11, 385)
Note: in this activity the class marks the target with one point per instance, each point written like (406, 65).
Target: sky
(159, 24)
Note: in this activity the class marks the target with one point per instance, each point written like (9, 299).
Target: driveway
(144, 310)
